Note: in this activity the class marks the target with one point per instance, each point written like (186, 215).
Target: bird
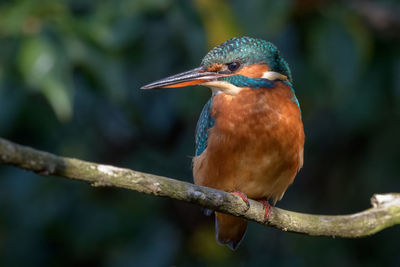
(249, 138)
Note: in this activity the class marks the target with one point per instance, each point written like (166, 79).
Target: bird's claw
(267, 208)
(243, 196)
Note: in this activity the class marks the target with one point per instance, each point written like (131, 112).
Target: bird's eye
(233, 66)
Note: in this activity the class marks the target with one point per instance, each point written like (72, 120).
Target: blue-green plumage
(248, 51)
(204, 123)
(243, 81)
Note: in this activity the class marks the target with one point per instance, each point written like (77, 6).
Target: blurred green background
(70, 73)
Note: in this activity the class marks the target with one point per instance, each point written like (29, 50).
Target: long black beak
(187, 78)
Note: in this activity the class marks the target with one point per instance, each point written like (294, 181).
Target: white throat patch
(223, 86)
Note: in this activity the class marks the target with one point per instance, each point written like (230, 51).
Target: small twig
(384, 213)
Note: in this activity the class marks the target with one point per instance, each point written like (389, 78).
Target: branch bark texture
(385, 211)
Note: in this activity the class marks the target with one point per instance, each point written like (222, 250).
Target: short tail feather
(229, 230)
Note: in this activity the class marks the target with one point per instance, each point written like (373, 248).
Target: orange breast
(256, 144)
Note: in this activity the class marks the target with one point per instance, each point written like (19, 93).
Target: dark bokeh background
(70, 73)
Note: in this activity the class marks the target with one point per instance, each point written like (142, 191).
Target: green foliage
(42, 70)
(70, 73)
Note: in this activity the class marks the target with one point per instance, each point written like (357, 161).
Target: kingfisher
(250, 136)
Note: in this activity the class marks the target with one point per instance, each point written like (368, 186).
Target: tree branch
(384, 213)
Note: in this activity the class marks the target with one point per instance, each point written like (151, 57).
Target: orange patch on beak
(182, 84)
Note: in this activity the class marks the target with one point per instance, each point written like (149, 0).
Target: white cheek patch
(223, 86)
(272, 75)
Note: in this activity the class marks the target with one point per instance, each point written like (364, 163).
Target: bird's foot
(267, 208)
(242, 196)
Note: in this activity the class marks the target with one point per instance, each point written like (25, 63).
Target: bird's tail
(229, 229)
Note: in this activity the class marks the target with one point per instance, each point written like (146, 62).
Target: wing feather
(203, 125)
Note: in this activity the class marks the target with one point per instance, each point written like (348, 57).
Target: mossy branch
(384, 213)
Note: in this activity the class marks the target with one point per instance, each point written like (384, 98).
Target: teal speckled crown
(247, 50)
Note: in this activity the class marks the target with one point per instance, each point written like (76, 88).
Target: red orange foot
(242, 196)
(267, 208)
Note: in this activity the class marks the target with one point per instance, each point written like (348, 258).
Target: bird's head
(238, 63)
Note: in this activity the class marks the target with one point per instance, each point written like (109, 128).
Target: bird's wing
(203, 125)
